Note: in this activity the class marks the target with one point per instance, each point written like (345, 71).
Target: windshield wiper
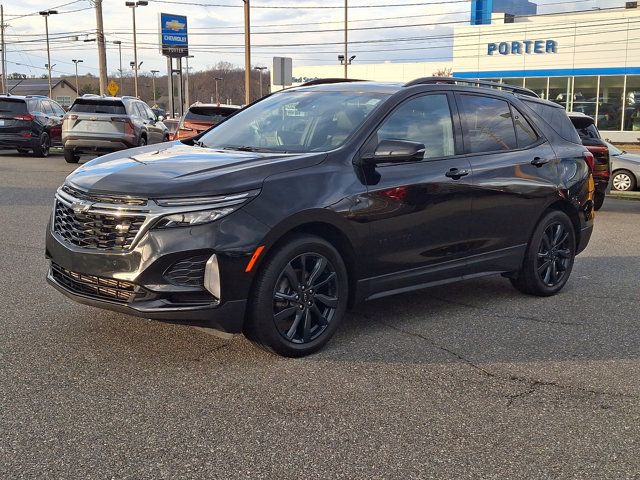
(246, 148)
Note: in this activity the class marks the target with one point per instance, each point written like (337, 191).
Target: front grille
(97, 287)
(106, 231)
(188, 272)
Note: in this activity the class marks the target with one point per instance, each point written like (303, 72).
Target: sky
(379, 31)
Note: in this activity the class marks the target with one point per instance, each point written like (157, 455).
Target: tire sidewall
(534, 246)
(261, 322)
(43, 152)
(631, 177)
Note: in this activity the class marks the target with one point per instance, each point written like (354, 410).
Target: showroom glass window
(487, 124)
(610, 102)
(426, 120)
(632, 104)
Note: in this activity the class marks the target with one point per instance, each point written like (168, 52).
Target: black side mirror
(396, 151)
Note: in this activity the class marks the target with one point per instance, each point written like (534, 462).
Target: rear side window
(12, 107)
(208, 114)
(98, 106)
(487, 124)
(556, 118)
(525, 134)
(47, 108)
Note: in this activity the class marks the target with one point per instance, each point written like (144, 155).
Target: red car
(201, 117)
(601, 168)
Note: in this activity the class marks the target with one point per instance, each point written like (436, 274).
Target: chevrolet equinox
(312, 199)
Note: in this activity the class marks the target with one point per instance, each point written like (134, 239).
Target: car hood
(629, 157)
(175, 169)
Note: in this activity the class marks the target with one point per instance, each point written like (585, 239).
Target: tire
(598, 200)
(549, 257)
(143, 141)
(44, 144)
(623, 181)
(70, 156)
(23, 151)
(285, 315)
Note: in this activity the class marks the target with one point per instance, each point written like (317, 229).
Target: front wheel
(142, 142)
(70, 156)
(623, 181)
(549, 257)
(299, 298)
(43, 146)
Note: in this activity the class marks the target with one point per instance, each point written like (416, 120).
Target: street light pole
(346, 29)
(261, 69)
(216, 79)
(45, 14)
(247, 54)
(76, 63)
(133, 6)
(119, 43)
(186, 83)
(153, 82)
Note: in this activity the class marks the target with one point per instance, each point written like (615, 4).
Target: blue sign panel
(174, 40)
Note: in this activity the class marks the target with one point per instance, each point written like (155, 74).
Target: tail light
(27, 117)
(128, 126)
(590, 160)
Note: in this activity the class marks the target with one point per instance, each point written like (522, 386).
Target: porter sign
(524, 47)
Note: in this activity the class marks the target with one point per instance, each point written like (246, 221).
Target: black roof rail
(466, 81)
(322, 81)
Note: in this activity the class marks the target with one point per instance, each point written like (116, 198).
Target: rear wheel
(549, 257)
(43, 146)
(299, 298)
(142, 142)
(624, 181)
(598, 200)
(70, 156)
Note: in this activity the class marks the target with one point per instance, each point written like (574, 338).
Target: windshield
(615, 151)
(300, 121)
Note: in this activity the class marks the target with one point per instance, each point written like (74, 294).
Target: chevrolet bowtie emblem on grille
(80, 207)
(122, 228)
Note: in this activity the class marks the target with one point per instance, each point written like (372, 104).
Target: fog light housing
(212, 277)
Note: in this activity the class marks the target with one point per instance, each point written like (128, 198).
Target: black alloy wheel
(142, 142)
(549, 257)
(299, 297)
(554, 254)
(305, 298)
(44, 144)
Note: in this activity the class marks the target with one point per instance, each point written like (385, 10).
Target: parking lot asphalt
(469, 380)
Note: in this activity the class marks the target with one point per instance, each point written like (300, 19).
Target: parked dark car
(30, 123)
(318, 197)
(625, 168)
(105, 124)
(591, 139)
(201, 117)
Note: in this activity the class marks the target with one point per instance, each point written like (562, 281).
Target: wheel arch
(566, 207)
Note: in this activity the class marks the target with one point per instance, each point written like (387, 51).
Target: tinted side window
(487, 124)
(47, 108)
(589, 131)
(58, 110)
(425, 120)
(557, 118)
(524, 133)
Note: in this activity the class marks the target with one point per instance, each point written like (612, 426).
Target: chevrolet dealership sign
(524, 47)
(174, 41)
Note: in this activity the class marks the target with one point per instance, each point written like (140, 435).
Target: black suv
(30, 123)
(320, 196)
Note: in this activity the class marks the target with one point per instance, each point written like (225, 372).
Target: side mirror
(396, 151)
(159, 118)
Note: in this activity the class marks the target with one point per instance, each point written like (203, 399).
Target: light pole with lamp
(261, 69)
(119, 43)
(217, 79)
(46, 14)
(153, 83)
(76, 63)
(133, 6)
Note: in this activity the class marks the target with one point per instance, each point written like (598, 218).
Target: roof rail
(466, 81)
(322, 81)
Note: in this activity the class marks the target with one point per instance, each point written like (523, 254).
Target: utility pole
(153, 84)
(45, 14)
(3, 85)
(102, 52)
(247, 54)
(76, 63)
(346, 29)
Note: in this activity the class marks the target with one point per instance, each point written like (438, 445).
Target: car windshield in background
(298, 122)
(98, 106)
(613, 150)
(12, 107)
(208, 114)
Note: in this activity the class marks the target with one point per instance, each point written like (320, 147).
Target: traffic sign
(282, 71)
(113, 88)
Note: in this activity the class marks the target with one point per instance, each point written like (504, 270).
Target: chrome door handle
(456, 173)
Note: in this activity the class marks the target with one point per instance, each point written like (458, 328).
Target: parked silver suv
(96, 123)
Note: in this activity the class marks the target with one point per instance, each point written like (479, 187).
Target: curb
(625, 195)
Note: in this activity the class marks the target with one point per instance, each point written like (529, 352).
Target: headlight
(201, 209)
(193, 218)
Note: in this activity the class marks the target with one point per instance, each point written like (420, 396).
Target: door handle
(456, 173)
(538, 162)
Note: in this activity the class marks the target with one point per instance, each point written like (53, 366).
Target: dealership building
(586, 61)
